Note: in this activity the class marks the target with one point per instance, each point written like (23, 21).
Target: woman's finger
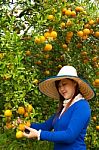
(25, 134)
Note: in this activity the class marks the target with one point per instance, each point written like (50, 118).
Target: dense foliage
(37, 39)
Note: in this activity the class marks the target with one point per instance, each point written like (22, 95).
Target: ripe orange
(47, 35)
(21, 127)
(29, 108)
(8, 113)
(84, 53)
(19, 134)
(35, 81)
(85, 37)
(26, 114)
(96, 34)
(48, 47)
(86, 31)
(63, 11)
(91, 22)
(73, 13)
(80, 33)
(94, 59)
(59, 66)
(53, 34)
(96, 81)
(87, 26)
(64, 46)
(62, 25)
(97, 128)
(50, 17)
(94, 118)
(68, 23)
(69, 34)
(28, 53)
(68, 12)
(28, 123)
(37, 40)
(38, 62)
(78, 9)
(47, 72)
(21, 110)
(42, 39)
(8, 125)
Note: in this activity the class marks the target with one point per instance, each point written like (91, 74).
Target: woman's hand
(32, 133)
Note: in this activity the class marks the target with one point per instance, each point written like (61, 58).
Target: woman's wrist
(39, 132)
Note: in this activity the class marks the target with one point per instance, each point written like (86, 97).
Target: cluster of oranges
(48, 36)
(21, 121)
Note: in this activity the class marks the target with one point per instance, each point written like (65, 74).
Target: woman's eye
(64, 84)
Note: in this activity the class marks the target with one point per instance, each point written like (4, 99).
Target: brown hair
(62, 98)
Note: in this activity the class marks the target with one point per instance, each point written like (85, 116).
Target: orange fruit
(84, 53)
(35, 81)
(47, 34)
(28, 123)
(37, 40)
(69, 34)
(68, 12)
(19, 134)
(73, 13)
(86, 31)
(8, 113)
(8, 125)
(50, 17)
(59, 66)
(63, 11)
(87, 26)
(96, 81)
(47, 72)
(91, 22)
(62, 25)
(21, 127)
(42, 39)
(94, 118)
(85, 37)
(96, 34)
(94, 59)
(21, 110)
(38, 62)
(48, 47)
(80, 33)
(28, 53)
(29, 108)
(97, 128)
(64, 46)
(53, 34)
(68, 23)
(26, 114)
(78, 9)
(79, 45)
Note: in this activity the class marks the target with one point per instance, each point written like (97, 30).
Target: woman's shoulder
(82, 103)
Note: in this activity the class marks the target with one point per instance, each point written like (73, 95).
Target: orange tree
(37, 39)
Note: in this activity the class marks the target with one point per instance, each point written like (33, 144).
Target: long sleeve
(47, 125)
(78, 121)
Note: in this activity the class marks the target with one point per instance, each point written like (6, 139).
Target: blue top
(69, 130)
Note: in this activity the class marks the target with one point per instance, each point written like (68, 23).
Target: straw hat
(48, 86)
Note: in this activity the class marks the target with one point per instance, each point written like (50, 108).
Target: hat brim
(48, 87)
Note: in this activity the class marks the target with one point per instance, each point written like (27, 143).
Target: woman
(66, 128)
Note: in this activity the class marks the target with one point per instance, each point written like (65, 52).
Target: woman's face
(66, 88)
